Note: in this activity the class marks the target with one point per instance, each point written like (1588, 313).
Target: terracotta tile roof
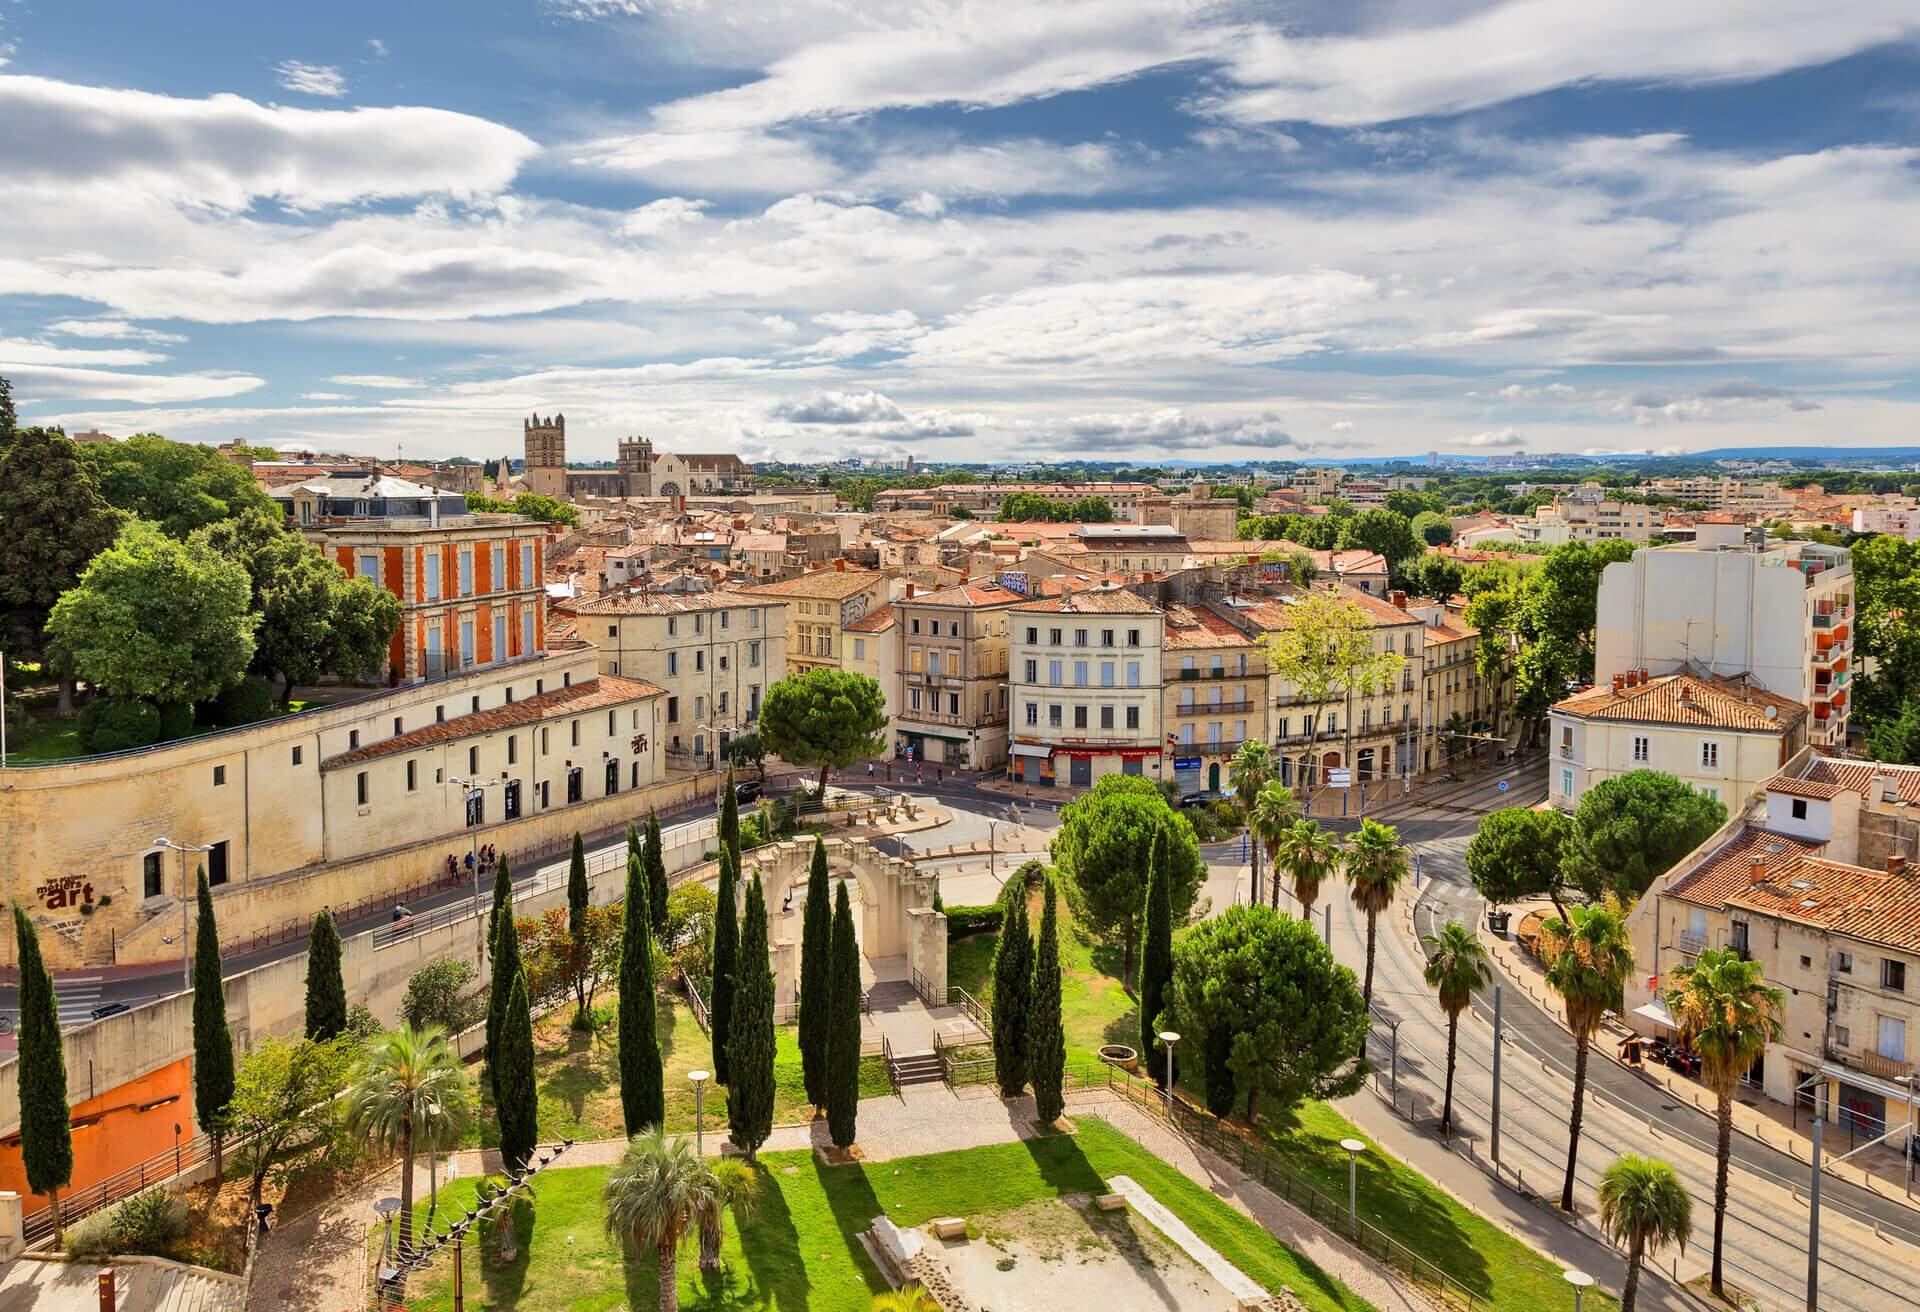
(1092, 601)
(1727, 870)
(1450, 629)
(830, 584)
(1828, 777)
(1873, 906)
(761, 542)
(979, 593)
(1198, 627)
(1814, 788)
(589, 695)
(1054, 584)
(655, 602)
(874, 621)
(1685, 699)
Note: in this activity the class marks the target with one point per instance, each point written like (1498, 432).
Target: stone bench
(1110, 1203)
(948, 1227)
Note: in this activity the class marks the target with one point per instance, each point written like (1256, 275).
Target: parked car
(746, 790)
(1202, 799)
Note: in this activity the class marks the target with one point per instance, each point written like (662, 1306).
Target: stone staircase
(921, 1067)
(143, 1284)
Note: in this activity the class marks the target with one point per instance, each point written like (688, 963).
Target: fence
(971, 1005)
(158, 1169)
(697, 1003)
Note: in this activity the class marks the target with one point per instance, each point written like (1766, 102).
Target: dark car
(745, 790)
(107, 1009)
(1202, 799)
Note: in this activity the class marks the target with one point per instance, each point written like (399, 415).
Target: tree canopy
(1520, 853)
(828, 718)
(1383, 531)
(1103, 847)
(1634, 826)
(1432, 528)
(1326, 649)
(181, 486)
(533, 505)
(57, 520)
(1886, 572)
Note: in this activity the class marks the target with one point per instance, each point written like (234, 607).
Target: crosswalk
(78, 995)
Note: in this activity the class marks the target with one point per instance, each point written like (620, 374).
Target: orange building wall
(395, 573)
(123, 1136)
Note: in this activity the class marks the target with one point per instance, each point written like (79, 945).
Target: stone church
(640, 472)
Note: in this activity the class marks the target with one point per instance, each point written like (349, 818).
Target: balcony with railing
(1212, 708)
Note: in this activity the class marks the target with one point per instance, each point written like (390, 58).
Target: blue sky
(965, 230)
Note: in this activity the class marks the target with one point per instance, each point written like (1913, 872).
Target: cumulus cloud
(663, 215)
(1343, 425)
(385, 382)
(326, 396)
(59, 383)
(310, 79)
(1497, 437)
(1175, 429)
(228, 151)
(15, 351)
(113, 330)
(827, 407)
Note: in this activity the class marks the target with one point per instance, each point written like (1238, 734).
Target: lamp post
(1354, 1148)
(1813, 1222)
(1581, 1282)
(186, 896)
(1167, 1039)
(472, 790)
(699, 1079)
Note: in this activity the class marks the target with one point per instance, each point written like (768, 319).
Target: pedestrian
(469, 862)
(869, 769)
(939, 773)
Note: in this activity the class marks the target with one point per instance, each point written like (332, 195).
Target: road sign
(1503, 785)
(1186, 763)
(1339, 777)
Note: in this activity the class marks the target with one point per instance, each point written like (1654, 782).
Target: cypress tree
(654, 855)
(1156, 959)
(843, 1024)
(1012, 999)
(750, 1041)
(633, 840)
(212, 1044)
(502, 905)
(516, 1102)
(643, 1096)
(326, 988)
(46, 1140)
(506, 966)
(816, 1003)
(726, 951)
(578, 891)
(1047, 1040)
(730, 816)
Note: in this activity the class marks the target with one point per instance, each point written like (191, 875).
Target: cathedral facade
(640, 471)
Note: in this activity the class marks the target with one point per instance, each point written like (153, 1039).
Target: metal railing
(122, 1185)
(934, 995)
(697, 1003)
(972, 1007)
(1212, 708)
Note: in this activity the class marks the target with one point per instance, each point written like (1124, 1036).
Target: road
(1766, 1227)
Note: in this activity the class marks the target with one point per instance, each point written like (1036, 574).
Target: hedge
(964, 921)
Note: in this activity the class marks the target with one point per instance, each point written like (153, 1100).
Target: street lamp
(1167, 1039)
(1354, 1148)
(186, 937)
(472, 791)
(1581, 1282)
(699, 1079)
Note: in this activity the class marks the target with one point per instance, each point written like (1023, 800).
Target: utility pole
(1496, 1079)
(1813, 1224)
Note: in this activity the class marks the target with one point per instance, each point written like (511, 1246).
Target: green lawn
(1094, 1006)
(800, 1251)
(579, 1079)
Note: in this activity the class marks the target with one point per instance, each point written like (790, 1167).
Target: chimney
(1643, 674)
(840, 564)
(1896, 864)
(1757, 872)
(1400, 599)
(1619, 682)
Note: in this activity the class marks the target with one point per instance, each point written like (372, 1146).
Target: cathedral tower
(546, 468)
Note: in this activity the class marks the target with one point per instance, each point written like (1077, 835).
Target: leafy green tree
(1896, 739)
(750, 1043)
(1412, 505)
(46, 1139)
(1727, 1012)
(726, 955)
(1091, 510)
(1046, 1026)
(402, 1077)
(56, 520)
(1456, 966)
(518, 1105)
(842, 1093)
(281, 1114)
(1886, 573)
(1376, 867)
(653, 856)
(1520, 853)
(502, 906)
(1634, 826)
(506, 968)
(1432, 575)
(1644, 1206)
(643, 1098)
(180, 486)
(579, 898)
(1382, 531)
(1103, 845)
(728, 1183)
(828, 718)
(1156, 959)
(326, 986)
(816, 946)
(212, 1043)
(1266, 986)
(1589, 957)
(314, 620)
(1326, 651)
(1308, 855)
(1012, 998)
(437, 995)
(1432, 528)
(156, 618)
(1248, 773)
(651, 1198)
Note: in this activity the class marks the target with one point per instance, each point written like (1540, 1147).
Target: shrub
(361, 1022)
(145, 1223)
(176, 720)
(246, 702)
(114, 724)
(436, 995)
(965, 921)
(92, 1239)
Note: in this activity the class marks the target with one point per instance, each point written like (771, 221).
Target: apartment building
(1764, 499)
(1813, 879)
(821, 603)
(1214, 695)
(470, 586)
(1125, 548)
(712, 654)
(1722, 737)
(1900, 521)
(871, 646)
(1780, 614)
(1601, 521)
(1085, 677)
(952, 698)
(1455, 699)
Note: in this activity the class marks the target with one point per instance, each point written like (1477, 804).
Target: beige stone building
(713, 655)
(1815, 881)
(821, 603)
(1721, 737)
(1455, 699)
(951, 707)
(871, 646)
(1214, 695)
(1084, 672)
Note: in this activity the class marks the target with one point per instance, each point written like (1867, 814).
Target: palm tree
(1376, 865)
(651, 1198)
(1309, 855)
(1274, 813)
(1644, 1205)
(404, 1084)
(1728, 1013)
(1249, 771)
(1588, 960)
(1456, 966)
(728, 1182)
(907, 1298)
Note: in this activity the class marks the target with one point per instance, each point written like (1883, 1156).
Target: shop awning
(1656, 1011)
(1031, 749)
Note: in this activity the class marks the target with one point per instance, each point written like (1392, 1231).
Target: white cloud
(662, 215)
(58, 383)
(228, 151)
(828, 407)
(1173, 429)
(1344, 425)
(310, 79)
(113, 329)
(325, 396)
(1493, 437)
(377, 46)
(721, 160)
(386, 382)
(19, 351)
